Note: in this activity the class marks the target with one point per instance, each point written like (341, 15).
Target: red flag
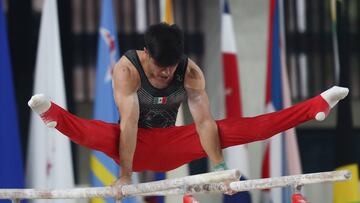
(235, 157)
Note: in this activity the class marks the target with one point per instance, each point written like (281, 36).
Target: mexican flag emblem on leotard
(160, 100)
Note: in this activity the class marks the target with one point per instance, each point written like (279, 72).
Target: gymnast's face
(162, 75)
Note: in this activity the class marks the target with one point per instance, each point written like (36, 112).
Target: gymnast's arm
(200, 110)
(126, 82)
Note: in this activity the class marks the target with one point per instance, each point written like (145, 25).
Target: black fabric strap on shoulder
(134, 59)
(181, 69)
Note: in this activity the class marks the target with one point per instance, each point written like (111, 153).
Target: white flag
(49, 163)
(140, 16)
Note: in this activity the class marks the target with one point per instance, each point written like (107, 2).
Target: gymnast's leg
(181, 142)
(245, 130)
(97, 135)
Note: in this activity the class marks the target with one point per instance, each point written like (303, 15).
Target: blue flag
(11, 170)
(274, 102)
(277, 93)
(278, 159)
(104, 170)
(107, 56)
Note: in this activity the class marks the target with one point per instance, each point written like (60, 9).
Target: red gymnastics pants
(163, 149)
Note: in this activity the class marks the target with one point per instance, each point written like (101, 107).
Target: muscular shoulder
(125, 75)
(194, 77)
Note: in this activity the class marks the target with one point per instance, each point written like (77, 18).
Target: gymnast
(148, 86)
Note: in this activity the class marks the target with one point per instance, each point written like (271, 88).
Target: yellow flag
(168, 16)
(347, 191)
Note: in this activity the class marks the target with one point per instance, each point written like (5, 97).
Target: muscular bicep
(125, 87)
(128, 106)
(197, 98)
(198, 102)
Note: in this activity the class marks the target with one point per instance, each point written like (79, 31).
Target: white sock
(39, 103)
(332, 96)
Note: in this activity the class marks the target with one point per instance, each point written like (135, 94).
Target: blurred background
(301, 40)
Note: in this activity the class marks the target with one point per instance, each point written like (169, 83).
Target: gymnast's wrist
(127, 179)
(125, 173)
(220, 167)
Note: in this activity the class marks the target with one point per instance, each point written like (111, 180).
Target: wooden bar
(258, 184)
(57, 194)
(204, 183)
(295, 180)
(213, 177)
(127, 190)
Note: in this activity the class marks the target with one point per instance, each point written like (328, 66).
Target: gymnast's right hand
(117, 185)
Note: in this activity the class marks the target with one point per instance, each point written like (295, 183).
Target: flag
(104, 171)
(281, 155)
(166, 14)
(11, 170)
(235, 157)
(345, 139)
(292, 149)
(49, 153)
(140, 16)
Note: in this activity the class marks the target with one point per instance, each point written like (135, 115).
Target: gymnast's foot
(332, 96)
(40, 104)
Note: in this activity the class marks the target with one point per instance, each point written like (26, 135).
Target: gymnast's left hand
(221, 167)
(117, 185)
(229, 191)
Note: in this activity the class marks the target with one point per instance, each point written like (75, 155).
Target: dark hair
(165, 44)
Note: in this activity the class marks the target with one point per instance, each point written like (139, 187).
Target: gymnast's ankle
(40, 104)
(220, 167)
(332, 96)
